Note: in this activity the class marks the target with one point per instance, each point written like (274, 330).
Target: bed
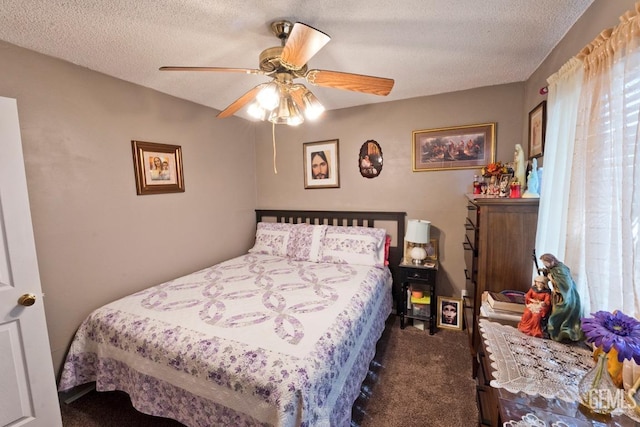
(280, 336)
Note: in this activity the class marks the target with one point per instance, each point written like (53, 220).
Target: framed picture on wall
(158, 168)
(321, 167)
(537, 128)
(370, 159)
(449, 313)
(459, 147)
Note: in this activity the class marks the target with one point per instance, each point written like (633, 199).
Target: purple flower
(617, 330)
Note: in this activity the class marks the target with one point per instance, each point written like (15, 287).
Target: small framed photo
(158, 168)
(321, 168)
(537, 129)
(449, 313)
(505, 182)
(432, 249)
(460, 147)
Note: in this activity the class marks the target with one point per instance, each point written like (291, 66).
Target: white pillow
(272, 238)
(354, 245)
(306, 242)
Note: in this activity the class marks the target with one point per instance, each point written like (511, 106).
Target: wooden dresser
(499, 241)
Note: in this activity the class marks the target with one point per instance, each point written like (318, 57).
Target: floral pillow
(354, 245)
(306, 242)
(272, 238)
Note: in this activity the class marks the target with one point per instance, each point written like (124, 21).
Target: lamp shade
(312, 107)
(269, 96)
(417, 231)
(257, 112)
(287, 112)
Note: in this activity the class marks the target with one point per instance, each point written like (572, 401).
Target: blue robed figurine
(564, 321)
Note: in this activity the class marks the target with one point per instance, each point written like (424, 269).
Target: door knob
(27, 300)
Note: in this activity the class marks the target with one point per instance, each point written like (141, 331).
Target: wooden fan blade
(303, 42)
(229, 70)
(347, 81)
(240, 102)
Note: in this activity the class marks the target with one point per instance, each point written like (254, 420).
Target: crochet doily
(534, 365)
(530, 420)
(537, 366)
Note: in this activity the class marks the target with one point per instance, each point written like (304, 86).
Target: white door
(28, 394)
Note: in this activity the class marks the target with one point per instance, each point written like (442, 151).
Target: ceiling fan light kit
(269, 96)
(312, 106)
(282, 101)
(257, 112)
(286, 113)
(275, 103)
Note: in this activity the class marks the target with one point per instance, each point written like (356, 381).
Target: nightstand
(420, 278)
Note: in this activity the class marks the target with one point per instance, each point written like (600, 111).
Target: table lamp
(417, 237)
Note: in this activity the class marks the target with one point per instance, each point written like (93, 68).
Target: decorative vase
(596, 389)
(613, 365)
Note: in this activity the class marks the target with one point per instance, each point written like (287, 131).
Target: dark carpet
(416, 379)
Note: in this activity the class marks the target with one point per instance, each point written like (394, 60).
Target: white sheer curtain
(593, 189)
(562, 104)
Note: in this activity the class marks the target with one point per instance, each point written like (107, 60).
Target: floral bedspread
(256, 340)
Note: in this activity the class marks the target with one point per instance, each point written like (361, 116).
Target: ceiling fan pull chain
(273, 137)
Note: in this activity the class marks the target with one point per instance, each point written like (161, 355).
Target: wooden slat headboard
(393, 222)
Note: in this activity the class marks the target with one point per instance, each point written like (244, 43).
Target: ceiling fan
(281, 100)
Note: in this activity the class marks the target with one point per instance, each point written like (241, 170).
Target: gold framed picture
(158, 168)
(459, 147)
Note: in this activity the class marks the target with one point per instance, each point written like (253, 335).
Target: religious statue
(564, 321)
(519, 165)
(537, 307)
(533, 184)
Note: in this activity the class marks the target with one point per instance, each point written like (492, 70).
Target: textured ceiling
(426, 46)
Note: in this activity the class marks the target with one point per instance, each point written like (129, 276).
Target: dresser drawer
(485, 394)
(471, 264)
(472, 214)
(471, 234)
(487, 407)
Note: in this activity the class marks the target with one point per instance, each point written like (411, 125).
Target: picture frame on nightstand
(432, 252)
(449, 314)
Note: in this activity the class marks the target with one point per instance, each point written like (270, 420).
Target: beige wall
(435, 196)
(96, 239)
(601, 14)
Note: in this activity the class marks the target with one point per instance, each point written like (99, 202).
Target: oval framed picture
(370, 159)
